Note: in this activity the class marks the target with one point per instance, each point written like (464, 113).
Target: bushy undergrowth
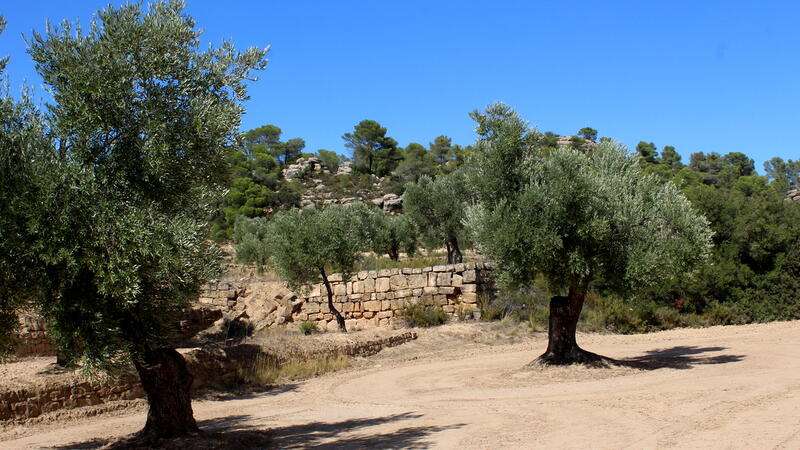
(418, 315)
(307, 327)
(612, 314)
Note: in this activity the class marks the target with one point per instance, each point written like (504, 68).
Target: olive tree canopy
(305, 246)
(140, 123)
(576, 218)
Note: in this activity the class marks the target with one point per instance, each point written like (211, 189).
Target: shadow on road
(680, 357)
(234, 432)
(325, 435)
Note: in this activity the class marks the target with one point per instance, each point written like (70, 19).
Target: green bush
(308, 327)
(417, 315)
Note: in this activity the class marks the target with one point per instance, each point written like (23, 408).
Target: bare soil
(464, 386)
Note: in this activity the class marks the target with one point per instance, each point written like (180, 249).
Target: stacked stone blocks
(375, 298)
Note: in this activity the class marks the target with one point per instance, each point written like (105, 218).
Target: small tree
(437, 208)
(143, 119)
(304, 246)
(391, 235)
(575, 218)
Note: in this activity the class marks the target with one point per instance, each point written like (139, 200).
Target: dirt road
(720, 387)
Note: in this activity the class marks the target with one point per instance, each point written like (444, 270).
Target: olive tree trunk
(455, 256)
(336, 313)
(562, 348)
(167, 382)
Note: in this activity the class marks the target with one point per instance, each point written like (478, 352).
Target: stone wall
(32, 338)
(31, 402)
(367, 299)
(375, 298)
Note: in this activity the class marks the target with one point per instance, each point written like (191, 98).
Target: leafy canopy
(301, 244)
(143, 120)
(575, 216)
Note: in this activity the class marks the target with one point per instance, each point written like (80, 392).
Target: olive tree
(141, 119)
(437, 207)
(577, 219)
(305, 246)
(23, 141)
(391, 235)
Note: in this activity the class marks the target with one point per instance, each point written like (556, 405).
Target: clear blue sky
(699, 75)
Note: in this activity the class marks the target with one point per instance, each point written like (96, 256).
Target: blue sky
(698, 75)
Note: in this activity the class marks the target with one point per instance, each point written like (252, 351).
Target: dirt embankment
(462, 386)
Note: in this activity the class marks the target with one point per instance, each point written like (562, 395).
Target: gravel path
(719, 387)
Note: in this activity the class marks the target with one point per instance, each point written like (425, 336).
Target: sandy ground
(719, 387)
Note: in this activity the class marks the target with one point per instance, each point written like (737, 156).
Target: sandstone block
(440, 300)
(469, 297)
(457, 280)
(332, 326)
(432, 276)
(386, 304)
(383, 323)
(385, 273)
(384, 315)
(441, 268)
(469, 276)
(369, 285)
(406, 271)
(358, 287)
(460, 267)
(472, 288)
(311, 307)
(432, 290)
(382, 285)
(340, 289)
(443, 279)
(372, 306)
(369, 314)
(335, 277)
(363, 275)
(449, 309)
(447, 290)
(398, 282)
(416, 271)
(427, 269)
(417, 281)
(417, 292)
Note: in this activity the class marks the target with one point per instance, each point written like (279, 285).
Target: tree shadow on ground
(241, 392)
(234, 432)
(315, 434)
(680, 357)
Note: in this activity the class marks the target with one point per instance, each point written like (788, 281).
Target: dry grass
(267, 371)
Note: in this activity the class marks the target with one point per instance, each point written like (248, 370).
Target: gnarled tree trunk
(562, 347)
(454, 253)
(336, 313)
(167, 382)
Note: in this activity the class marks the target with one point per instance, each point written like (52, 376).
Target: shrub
(308, 327)
(417, 315)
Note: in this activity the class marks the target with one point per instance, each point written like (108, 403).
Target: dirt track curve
(720, 387)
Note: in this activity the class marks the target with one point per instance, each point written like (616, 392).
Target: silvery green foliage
(390, 234)
(141, 120)
(574, 216)
(437, 208)
(301, 244)
(249, 235)
(22, 141)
